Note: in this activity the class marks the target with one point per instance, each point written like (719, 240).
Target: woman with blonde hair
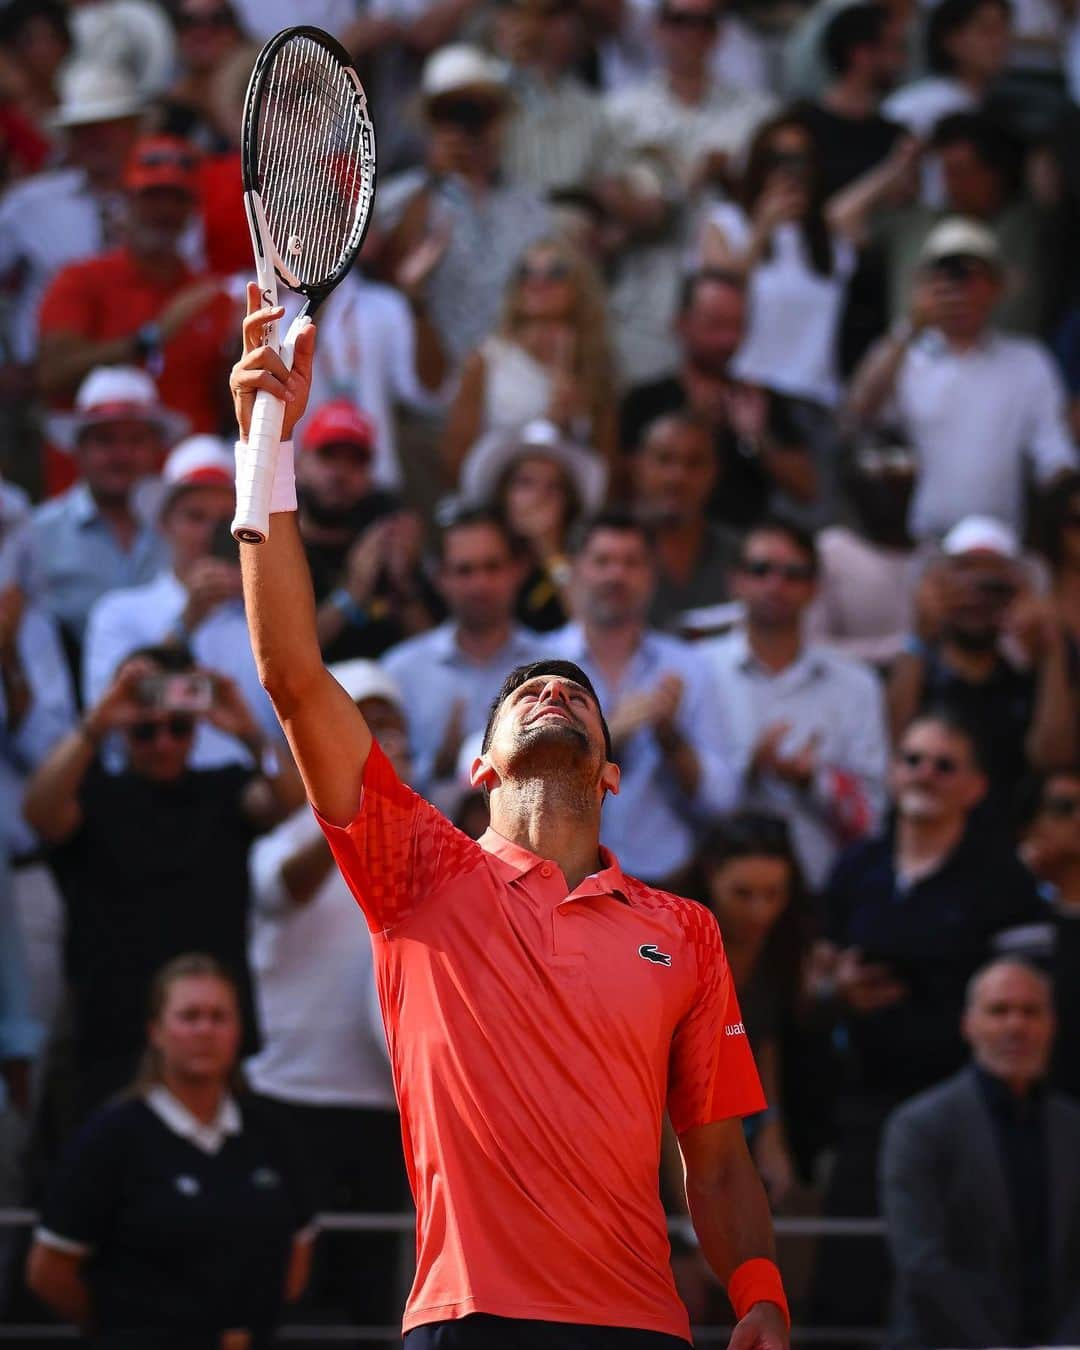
(179, 1218)
(549, 357)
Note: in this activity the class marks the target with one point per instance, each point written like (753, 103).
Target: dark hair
(17, 14)
(1028, 801)
(759, 165)
(1053, 509)
(192, 965)
(946, 19)
(523, 674)
(995, 148)
(470, 517)
(756, 834)
(793, 532)
(707, 276)
(170, 658)
(615, 519)
(941, 715)
(680, 417)
(855, 26)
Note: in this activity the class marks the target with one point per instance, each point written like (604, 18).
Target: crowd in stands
(727, 348)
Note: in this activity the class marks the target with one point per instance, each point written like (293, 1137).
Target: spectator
(557, 133)
(152, 861)
(540, 484)
(988, 1256)
(207, 34)
(449, 676)
(98, 534)
(548, 357)
(179, 1214)
(71, 212)
(195, 601)
(864, 53)
(701, 124)
(362, 548)
(35, 42)
(323, 1066)
(758, 450)
(1050, 847)
(991, 650)
(809, 724)
(463, 211)
(866, 591)
(142, 302)
(974, 404)
(134, 35)
(673, 476)
(667, 731)
(754, 888)
(1061, 545)
(967, 45)
(910, 914)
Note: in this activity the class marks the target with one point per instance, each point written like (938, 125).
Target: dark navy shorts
(483, 1332)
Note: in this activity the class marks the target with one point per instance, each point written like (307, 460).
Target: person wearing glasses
(151, 861)
(910, 914)
(809, 723)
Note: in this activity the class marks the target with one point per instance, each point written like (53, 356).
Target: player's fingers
(255, 324)
(265, 358)
(252, 381)
(304, 351)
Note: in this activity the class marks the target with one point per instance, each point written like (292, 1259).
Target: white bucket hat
(494, 453)
(94, 93)
(366, 679)
(113, 394)
(461, 66)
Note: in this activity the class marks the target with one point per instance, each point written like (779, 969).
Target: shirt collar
(518, 862)
(444, 645)
(82, 505)
(1001, 1099)
(807, 664)
(208, 1138)
(144, 498)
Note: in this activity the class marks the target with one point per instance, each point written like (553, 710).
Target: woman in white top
(549, 357)
(797, 266)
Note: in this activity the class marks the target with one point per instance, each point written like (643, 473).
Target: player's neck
(552, 820)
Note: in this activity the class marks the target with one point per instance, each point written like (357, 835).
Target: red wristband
(756, 1281)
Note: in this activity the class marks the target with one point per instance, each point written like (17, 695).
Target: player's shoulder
(694, 923)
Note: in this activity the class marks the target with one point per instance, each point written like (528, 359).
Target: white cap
(495, 452)
(200, 461)
(366, 679)
(461, 66)
(981, 534)
(959, 237)
(114, 394)
(90, 92)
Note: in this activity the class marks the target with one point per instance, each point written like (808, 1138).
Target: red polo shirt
(536, 1039)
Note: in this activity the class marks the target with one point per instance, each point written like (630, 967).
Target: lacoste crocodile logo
(650, 953)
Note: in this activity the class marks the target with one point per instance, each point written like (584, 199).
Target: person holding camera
(194, 602)
(151, 861)
(978, 407)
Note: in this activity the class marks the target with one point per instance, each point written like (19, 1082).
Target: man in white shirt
(323, 1063)
(196, 602)
(977, 406)
(809, 724)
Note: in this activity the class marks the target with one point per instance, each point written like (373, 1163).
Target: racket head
(308, 155)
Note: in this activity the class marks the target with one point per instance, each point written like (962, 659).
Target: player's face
(748, 895)
(615, 578)
(1010, 1025)
(190, 520)
(547, 725)
(197, 1034)
(479, 577)
(934, 777)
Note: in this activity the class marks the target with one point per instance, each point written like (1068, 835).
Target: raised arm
(329, 738)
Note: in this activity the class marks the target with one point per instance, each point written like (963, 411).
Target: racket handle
(255, 468)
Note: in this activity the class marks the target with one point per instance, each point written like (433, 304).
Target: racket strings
(315, 159)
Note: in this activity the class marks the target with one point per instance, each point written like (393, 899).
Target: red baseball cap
(162, 161)
(338, 422)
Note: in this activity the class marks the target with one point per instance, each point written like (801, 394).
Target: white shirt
(823, 695)
(207, 1136)
(322, 1037)
(974, 418)
(739, 56)
(141, 616)
(367, 354)
(795, 312)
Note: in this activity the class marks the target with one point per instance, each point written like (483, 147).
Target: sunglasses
(959, 269)
(178, 726)
(680, 18)
(471, 114)
(552, 271)
(942, 764)
(1062, 808)
(761, 568)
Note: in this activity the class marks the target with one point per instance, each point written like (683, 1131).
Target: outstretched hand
(763, 1328)
(261, 368)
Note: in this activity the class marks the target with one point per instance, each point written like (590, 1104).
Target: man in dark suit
(981, 1184)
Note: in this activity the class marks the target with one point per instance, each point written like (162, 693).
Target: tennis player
(543, 1010)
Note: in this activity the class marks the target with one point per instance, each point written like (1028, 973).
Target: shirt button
(545, 871)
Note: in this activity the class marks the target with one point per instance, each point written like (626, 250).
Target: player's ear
(609, 778)
(482, 774)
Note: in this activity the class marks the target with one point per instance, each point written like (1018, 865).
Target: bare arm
(56, 1278)
(464, 421)
(1051, 738)
(849, 211)
(905, 690)
(329, 738)
(875, 377)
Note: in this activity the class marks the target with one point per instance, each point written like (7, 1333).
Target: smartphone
(222, 543)
(191, 692)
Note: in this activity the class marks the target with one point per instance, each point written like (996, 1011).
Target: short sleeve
(712, 1075)
(79, 1209)
(397, 848)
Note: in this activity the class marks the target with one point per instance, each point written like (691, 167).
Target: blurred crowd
(729, 348)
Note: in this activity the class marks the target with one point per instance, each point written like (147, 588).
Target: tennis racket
(308, 163)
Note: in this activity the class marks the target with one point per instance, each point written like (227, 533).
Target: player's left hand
(763, 1328)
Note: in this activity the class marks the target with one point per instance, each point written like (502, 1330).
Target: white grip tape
(257, 461)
